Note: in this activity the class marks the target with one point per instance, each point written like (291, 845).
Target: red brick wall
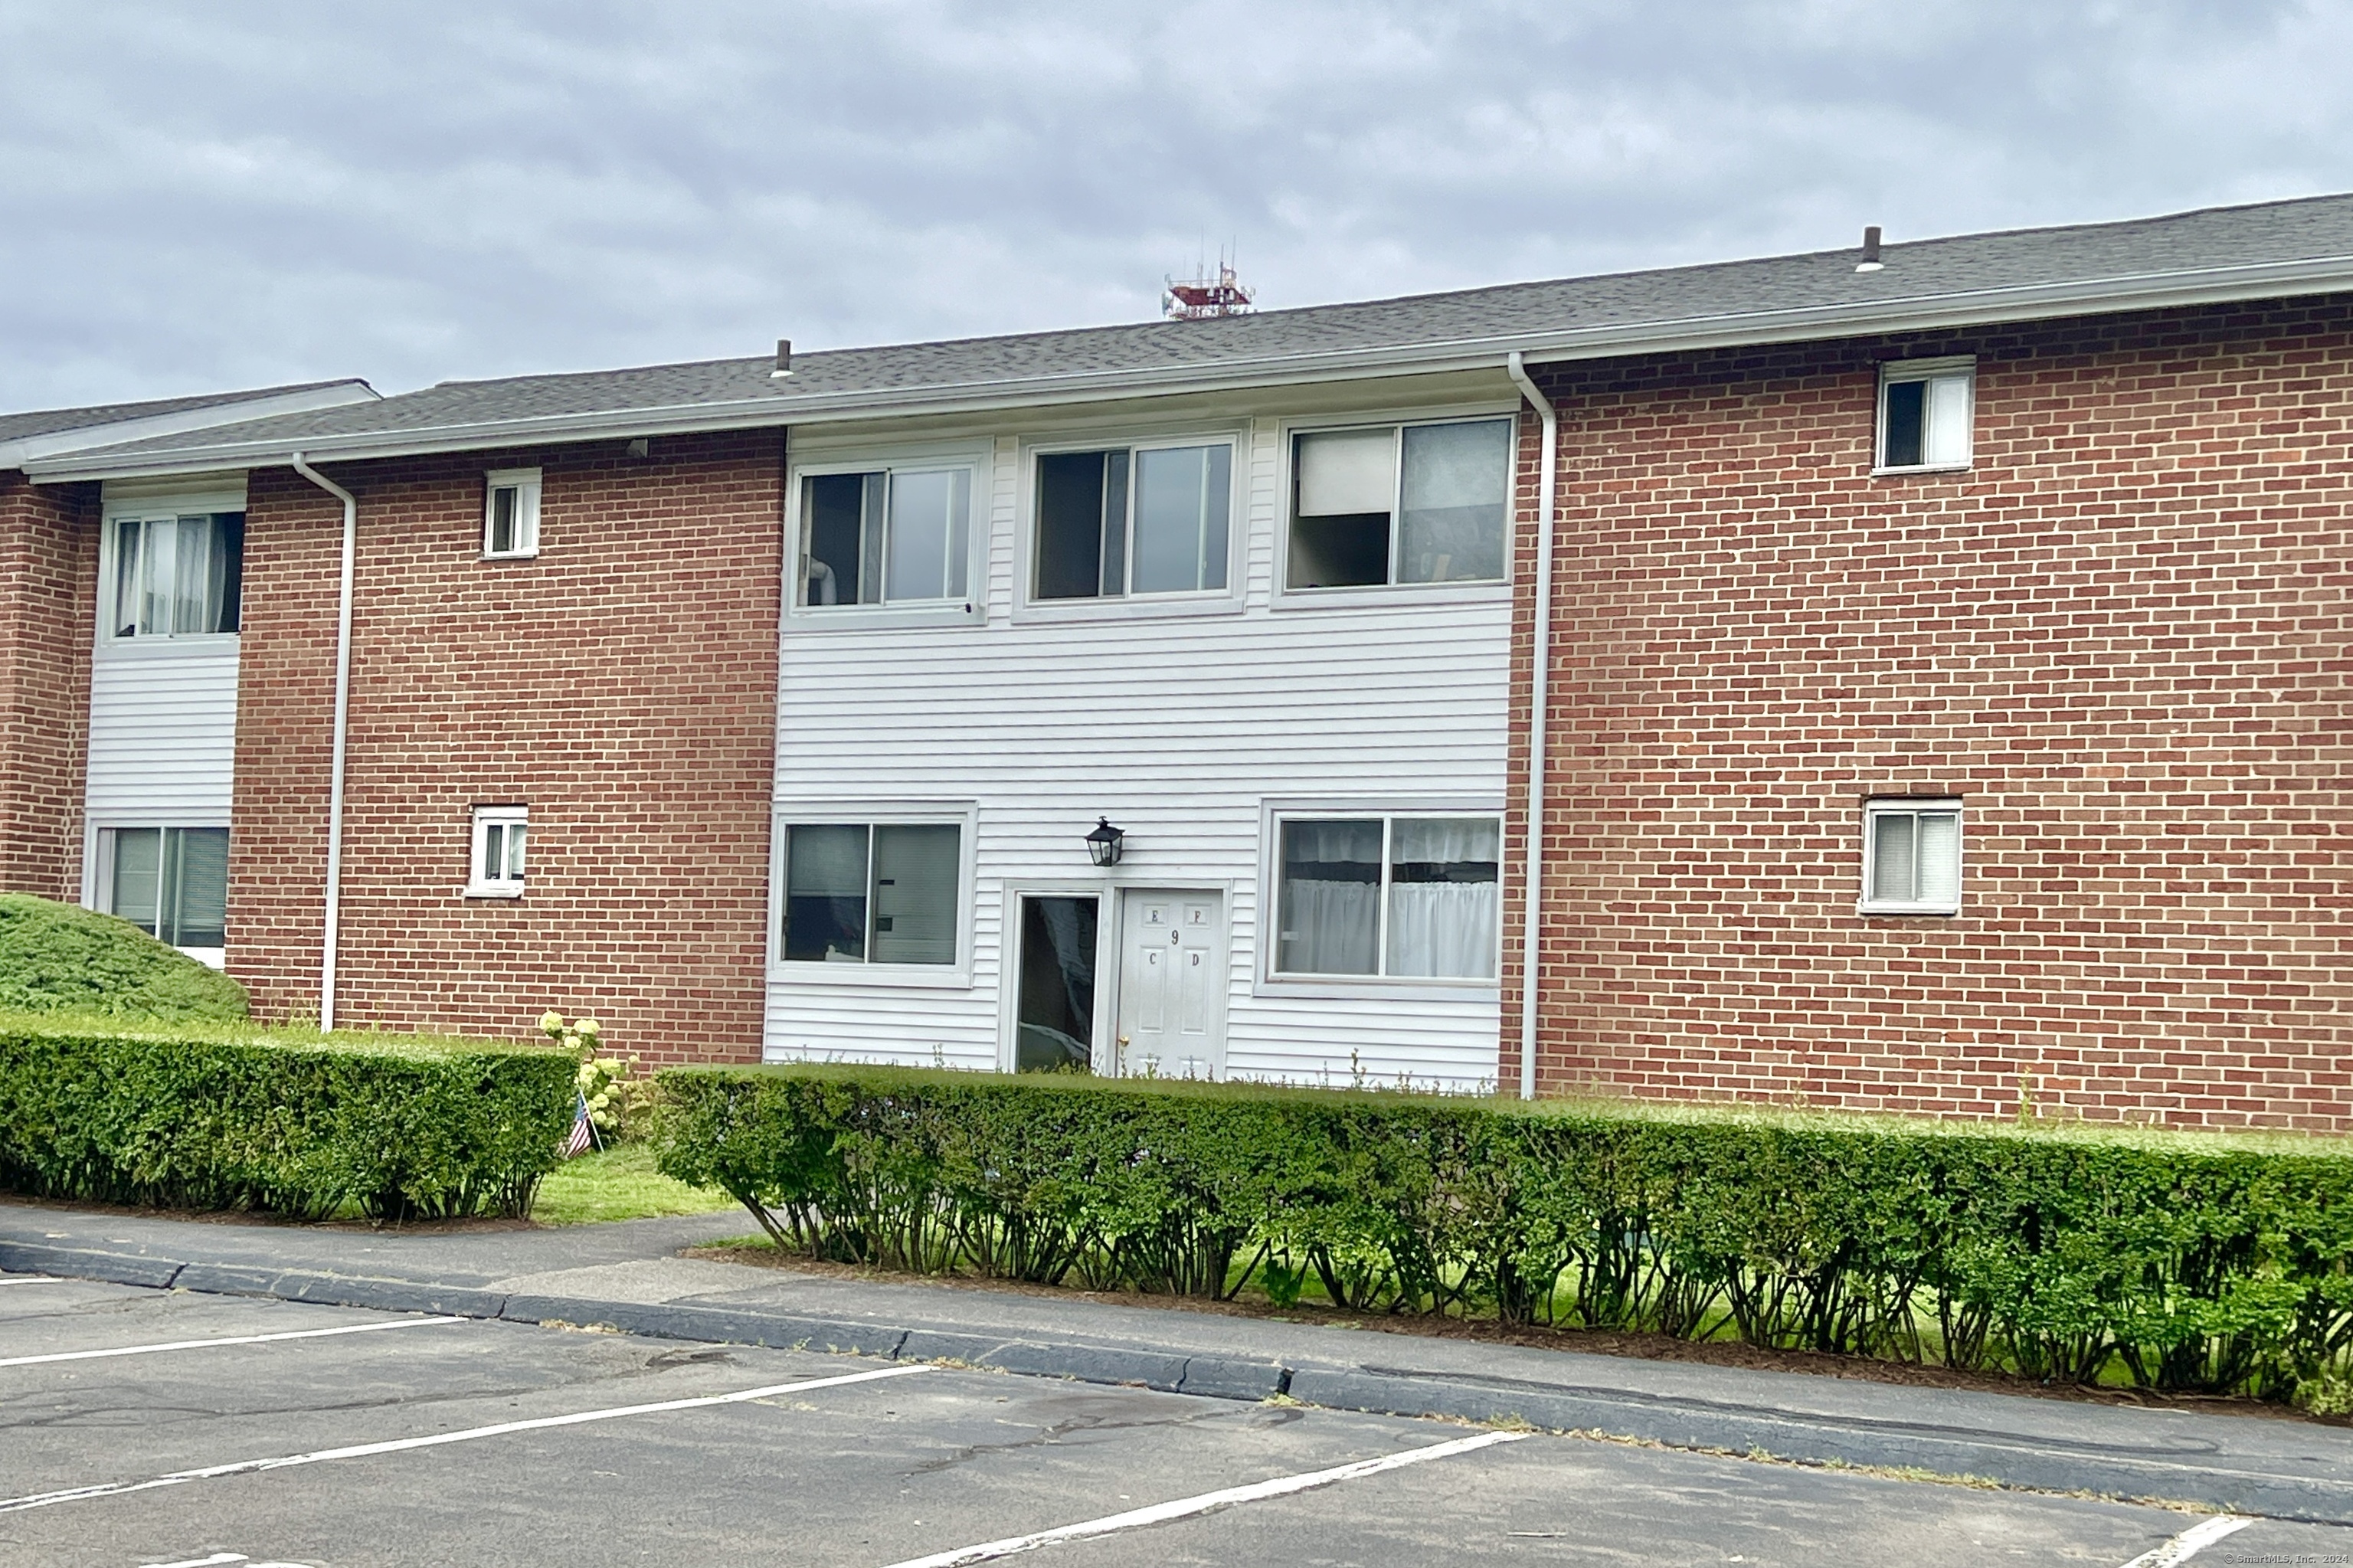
(49, 573)
(622, 684)
(2120, 639)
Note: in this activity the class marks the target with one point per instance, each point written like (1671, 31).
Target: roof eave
(2256, 281)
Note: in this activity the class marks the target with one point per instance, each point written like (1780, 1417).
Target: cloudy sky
(196, 197)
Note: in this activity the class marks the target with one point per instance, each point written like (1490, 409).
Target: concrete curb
(2184, 1470)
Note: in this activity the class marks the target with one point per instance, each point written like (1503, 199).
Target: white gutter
(1539, 669)
(342, 729)
(1957, 308)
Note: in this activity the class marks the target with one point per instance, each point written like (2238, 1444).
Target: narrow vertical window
(511, 513)
(500, 837)
(1912, 856)
(1926, 411)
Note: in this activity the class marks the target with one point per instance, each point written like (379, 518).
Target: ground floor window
(1054, 1028)
(172, 883)
(1912, 856)
(871, 892)
(1395, 897)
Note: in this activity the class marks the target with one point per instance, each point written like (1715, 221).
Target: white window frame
(965, 816)
(526, 482)
(484, 818)
(1008, 966)
(1285, 596)
(1898, 372)
(157, 507)
(98, 890)
(971, 611)
(1880, 806)
(1266, 980)
(1226, 600)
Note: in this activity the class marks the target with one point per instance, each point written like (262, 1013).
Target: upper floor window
(894, 535)
(1399, 504)
(1133, 520)
(495, 869)
(177, 576)
(511, 512)
(1926, 409)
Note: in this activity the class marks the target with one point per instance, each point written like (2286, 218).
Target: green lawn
(618, 1183)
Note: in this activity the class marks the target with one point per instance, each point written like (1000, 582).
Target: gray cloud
(261, 192)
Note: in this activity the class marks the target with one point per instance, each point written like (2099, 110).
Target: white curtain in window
(1343, 472)
(1331, 903)
(158, 562)
(1940, 858)
(1445, 929)
(1948, 438)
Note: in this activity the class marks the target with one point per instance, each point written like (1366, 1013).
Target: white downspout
(335, 767)
(1540, 669)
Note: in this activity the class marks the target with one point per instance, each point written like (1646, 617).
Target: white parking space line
(2190, 1542)
(30, 1279)
(1207, 1502)
(231, 1339)
(212, 1562)
(437, 1440)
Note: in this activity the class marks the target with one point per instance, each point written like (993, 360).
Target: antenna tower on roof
(1205, 296)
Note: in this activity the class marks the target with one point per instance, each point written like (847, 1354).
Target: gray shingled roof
(50, 421)
(2273, 249)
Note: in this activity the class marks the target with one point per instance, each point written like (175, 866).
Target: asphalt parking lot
(150, 1427)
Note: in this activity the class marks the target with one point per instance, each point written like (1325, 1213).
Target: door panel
(1172, 994)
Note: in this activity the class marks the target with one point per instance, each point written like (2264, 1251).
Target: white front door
(1172, 983)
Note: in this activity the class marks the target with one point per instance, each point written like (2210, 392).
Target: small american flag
(583, 1131)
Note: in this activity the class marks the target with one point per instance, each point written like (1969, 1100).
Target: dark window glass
(842, 527)
(1071, 528)
(1056, 1026)
(825, 893)
(1907, 407)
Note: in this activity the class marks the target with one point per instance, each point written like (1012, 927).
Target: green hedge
(185, 1117)
(2178, 1261)
(55, 958)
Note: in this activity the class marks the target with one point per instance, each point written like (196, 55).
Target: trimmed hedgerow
(2179, 1262)
(55, 958)
(182, 1117)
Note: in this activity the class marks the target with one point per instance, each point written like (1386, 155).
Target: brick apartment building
(1940, 648)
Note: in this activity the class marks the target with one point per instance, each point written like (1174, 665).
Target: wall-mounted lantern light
(1106, 843)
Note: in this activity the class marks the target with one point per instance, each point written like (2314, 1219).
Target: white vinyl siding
(1181, 729)
(163, 709)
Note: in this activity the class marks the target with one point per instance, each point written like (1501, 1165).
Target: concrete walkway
(628, 1277)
